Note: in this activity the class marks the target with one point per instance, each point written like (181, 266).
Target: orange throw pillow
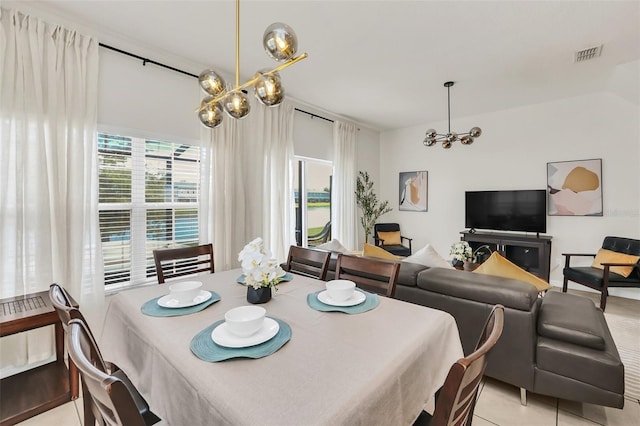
(501, 267)
(390, 237)
(608, 256)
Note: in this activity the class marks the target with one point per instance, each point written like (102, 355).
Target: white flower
(461, 251)
(259, 268)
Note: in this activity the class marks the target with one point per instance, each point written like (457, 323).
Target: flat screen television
(520, 210)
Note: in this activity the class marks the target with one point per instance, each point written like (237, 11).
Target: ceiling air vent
(586, 54)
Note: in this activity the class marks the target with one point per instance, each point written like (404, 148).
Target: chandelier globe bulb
(446, 144)
(268, 88)
(211, 115)
(211, 82)
(475, 132)
(280, 41)
(236, 104)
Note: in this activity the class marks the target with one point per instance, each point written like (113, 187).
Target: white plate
(169, 302)
(357, 298)
(223, 337)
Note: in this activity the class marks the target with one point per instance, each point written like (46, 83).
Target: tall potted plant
(368, 202)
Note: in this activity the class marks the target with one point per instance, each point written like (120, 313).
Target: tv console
(531, 253)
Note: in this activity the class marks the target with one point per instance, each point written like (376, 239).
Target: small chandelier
(432, 136)
(280, 43)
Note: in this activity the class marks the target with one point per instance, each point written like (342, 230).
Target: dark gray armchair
(602, 279)
(392, 247)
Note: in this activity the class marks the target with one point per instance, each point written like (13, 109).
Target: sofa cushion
(479, 287)
(593, 277)
(609, 256)
(333, 245)
(501, 267)
(570, 318)
(370, 250)
(390, 238)
(408, 274)
(428, 256)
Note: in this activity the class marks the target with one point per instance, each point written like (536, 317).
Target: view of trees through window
(313, 212)
(148, 199)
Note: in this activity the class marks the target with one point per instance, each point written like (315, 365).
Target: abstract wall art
(575, 188)
(413, 191)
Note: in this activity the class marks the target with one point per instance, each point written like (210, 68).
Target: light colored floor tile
(64, 415)
(568, 419)
(479, 421)
(499, 403)
(79, 408)
(629, 416)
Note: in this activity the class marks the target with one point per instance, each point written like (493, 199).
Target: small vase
(458, 264)
(257, 296)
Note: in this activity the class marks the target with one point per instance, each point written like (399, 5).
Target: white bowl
(244, 321)
(185, 291)
(340, 290)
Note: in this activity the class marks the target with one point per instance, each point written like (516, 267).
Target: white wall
(512, 153)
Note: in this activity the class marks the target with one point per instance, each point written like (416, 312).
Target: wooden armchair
(616, 264)
(183, 261)
(457, 397)
(387, 236)
(312, 263)
(369, 273)
(67, 312)
(115, 400)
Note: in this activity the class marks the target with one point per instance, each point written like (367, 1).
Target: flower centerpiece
(261, 271)
(461, 252)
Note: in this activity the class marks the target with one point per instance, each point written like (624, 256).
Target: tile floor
(498, 403)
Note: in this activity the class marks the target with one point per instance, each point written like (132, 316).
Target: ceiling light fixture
(280, 43)
(432, 136)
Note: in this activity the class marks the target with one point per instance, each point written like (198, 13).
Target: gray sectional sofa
(557, 345)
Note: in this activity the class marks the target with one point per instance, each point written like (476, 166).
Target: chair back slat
(379, 275)
(312, 263)
(458, 395)
(178, 262)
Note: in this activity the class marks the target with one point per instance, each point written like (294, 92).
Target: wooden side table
(39, 389)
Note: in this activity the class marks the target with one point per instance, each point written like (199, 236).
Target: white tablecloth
(378, 367)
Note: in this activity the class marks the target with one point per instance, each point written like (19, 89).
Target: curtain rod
(314, 115)
(146, 61)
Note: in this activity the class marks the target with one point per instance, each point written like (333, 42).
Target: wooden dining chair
(312, 263)
(114, 398)
(372, 274)
(183, 261)
(457, 398)
(62, 303)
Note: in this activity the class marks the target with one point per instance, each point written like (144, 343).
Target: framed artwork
(575, 188)
(413, 191)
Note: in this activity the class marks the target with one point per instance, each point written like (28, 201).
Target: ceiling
(383, 63)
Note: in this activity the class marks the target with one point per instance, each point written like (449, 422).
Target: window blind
(149, 192)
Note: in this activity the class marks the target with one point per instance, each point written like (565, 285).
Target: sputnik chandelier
(432, 137)
(280, 43)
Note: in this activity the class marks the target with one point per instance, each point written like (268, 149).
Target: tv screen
(522, 210)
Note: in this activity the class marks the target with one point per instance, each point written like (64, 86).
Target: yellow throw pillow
(501, 267)
(608, 256)
(390, 237)
(370, 250)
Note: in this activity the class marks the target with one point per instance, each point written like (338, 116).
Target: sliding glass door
(313, 203)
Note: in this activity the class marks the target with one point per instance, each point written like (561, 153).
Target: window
(148, 199)
(313, 209)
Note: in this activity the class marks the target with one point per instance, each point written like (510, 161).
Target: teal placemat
(203, 346)
(152, 308)
(287, 277)
(370, 303)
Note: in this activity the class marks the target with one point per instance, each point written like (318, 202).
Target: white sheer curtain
(48, 169)
(343, 200)
(246, 183)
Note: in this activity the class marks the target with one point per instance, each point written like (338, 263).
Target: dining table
(380, 366)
